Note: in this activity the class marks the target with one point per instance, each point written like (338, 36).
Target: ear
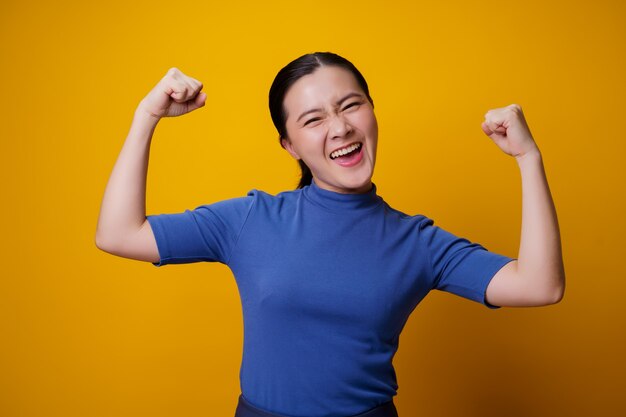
(286, 143)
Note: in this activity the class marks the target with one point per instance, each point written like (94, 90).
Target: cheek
(366, 122)
(309, 143)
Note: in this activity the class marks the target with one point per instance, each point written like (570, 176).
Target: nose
(339, 127)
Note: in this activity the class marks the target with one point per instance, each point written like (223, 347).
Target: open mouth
(349, 156)
(347, 151)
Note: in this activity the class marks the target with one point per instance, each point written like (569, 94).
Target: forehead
(323, 87)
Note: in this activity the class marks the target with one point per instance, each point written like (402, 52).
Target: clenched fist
(507, 127)
(175, 95)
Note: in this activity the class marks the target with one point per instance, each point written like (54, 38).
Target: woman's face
(327, 111)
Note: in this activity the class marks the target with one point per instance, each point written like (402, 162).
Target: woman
(328, 273)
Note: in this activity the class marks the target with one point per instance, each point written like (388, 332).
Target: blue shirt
(327, 282)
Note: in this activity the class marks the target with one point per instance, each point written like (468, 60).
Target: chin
(356, 185)
(347, 182)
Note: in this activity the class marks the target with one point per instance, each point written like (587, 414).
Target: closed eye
(356, 103)
(315, 119)
(311, 120)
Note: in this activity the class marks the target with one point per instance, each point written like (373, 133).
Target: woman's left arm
(537, 277)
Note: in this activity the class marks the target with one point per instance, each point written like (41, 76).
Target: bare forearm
(123, 208)
(540, 261)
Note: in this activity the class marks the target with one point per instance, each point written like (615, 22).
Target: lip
(354, 161)
(344, 146)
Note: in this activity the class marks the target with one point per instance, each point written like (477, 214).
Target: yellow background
(84, 333)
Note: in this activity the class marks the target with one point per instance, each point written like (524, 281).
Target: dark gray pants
(245, 409)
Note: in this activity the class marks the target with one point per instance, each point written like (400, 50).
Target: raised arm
(537, 277)
(122, 227)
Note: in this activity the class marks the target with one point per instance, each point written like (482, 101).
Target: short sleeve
(208, 233)
(460, 266)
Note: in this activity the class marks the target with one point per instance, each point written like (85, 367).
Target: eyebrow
(341, 100)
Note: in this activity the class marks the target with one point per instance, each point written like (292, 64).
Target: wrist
(144, 117)
(530, 157)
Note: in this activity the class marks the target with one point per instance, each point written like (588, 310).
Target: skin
(122, 228)
(334, 125)
(536, 278)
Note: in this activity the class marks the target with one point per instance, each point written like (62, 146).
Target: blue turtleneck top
(327, 282)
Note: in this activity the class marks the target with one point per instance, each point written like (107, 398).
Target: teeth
(345, 150)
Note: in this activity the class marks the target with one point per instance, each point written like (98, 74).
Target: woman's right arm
(122, 228)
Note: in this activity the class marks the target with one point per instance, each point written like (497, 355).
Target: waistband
(245, 409)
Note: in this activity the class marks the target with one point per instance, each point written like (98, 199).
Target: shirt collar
(335, 201)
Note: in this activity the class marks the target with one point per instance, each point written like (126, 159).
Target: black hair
(292, 72)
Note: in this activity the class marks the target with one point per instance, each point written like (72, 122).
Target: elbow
(103, 243)
(554, 298)
(559, 294)
(100, 237)
(100, 242)
(554, 295)
(546, 288)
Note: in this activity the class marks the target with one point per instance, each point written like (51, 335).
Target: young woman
(328, 273)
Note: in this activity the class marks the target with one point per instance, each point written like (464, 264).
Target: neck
(343, 202)
(366, 188)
